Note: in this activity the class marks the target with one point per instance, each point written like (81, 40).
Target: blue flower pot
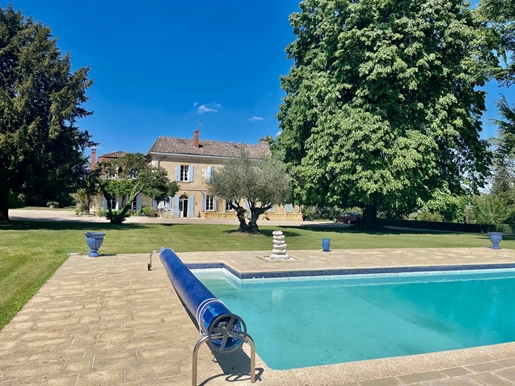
(326, 245)
(94, 241)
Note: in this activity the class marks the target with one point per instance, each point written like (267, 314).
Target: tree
(40, 103)
(488, 209)
(501, 16)
(259, 183)
(133, 176)
(450, 207)
(382, 106)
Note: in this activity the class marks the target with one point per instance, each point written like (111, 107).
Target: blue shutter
(138, 202)
(104, 203)
(177, 172)
(214, 203)
(191, 206)
(190, 173)
(175, 209)
(288, 208)
(154, 204)
(203, 202)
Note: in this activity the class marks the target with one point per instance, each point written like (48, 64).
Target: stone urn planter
(94, 241)
(495, 238)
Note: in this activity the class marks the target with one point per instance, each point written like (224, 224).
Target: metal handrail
(149, 265)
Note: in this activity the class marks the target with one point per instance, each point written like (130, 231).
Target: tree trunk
(240, 212)
(4, 205)
(369, 219)
(252, 226)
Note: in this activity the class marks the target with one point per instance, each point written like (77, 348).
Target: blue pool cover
(209, 312)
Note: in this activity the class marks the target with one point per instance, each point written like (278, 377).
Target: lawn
(30, 252)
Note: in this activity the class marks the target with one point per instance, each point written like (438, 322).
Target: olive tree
(253, 183)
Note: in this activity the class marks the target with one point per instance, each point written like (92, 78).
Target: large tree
(41, 147)
(382, 105)
(251, 183)
(501, 16)
(128, 176)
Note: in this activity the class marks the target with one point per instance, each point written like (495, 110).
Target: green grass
(31, 251)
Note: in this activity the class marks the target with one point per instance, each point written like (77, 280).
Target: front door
(183, 206)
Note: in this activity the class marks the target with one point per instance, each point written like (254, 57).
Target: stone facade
(190, 162)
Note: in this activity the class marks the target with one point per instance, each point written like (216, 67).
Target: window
(210, 203)
(184, 173)
(228, 205)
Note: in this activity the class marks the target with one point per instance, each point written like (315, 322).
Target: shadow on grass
(338, 228)
(263, 232)
(20, 225)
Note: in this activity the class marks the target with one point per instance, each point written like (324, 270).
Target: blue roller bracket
(224, 331)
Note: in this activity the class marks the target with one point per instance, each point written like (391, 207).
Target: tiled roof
(116, 154)
(171, 145)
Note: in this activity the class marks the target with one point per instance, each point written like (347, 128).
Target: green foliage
(134, 176)
(429, 216)
(40, 103)
(117, 216)
(147, 211)
(15, 201)
(444, 206)
(102, 213)
(381, 105)
(488, 209)
(501, 16)
(260, 183)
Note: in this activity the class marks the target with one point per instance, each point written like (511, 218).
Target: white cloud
(195, 103)
(255, 119)
(204, 109)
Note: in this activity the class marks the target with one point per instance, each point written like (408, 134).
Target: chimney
(263, 142)
(93, 158)
(196, 138)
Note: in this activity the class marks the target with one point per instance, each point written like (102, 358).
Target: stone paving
(109, 321)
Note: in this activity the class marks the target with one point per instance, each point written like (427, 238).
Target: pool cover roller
(226, 332)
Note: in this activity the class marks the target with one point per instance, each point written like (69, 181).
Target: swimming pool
(314, 321)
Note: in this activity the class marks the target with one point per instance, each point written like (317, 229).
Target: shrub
(147, 211)
(117, 217)
(14, 201)
(428, 216)
(102, 213)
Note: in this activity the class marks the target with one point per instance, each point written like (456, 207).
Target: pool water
(316, 321)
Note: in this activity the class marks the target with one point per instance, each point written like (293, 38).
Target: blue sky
(159, 67)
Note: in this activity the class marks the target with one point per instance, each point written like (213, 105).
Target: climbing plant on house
(127, 177)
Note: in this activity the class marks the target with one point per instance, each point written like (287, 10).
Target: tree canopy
(256, 184)
(133, 176)
(382, 105)
(40, 103)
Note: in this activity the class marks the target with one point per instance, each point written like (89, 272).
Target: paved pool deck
(109, 321)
